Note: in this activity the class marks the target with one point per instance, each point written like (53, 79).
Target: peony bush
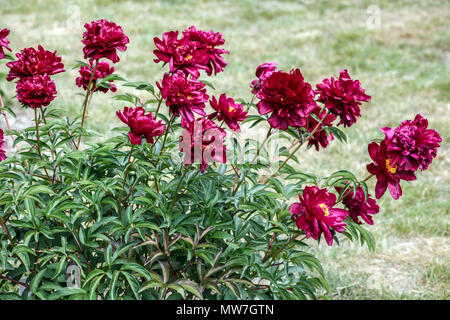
(181, 201)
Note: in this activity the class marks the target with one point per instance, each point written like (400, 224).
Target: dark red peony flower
(141, 124)
(321, 137)
(207, 42)
(183, 96)
(315, 214)
(388, 174)
(196, 50)
(288, 97)
(358, 207)
(4, 42)
(31, 62)
(262, 73)
(103, 69)
(411, 145)
(342, 97)
(227, 110)
(167, 50)
(102, 39)
(2, 146)
(179, 56)
(36, 92)
(203, 141)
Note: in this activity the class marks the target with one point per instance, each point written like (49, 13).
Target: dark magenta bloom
(207, 43)
(31, 62)
(321, 137)
(287, 97)
(203, 141)
(411, 145)
(102, 39)
(179, 56)
(262, 73)
(2, 146)
(358, 207)
(4, 42)
(342, 97)
(315, 214)
(388, 174)
(141, 124)
(183, 96)
(103, 69)
(36, 92)
(227, 110)
(196, 50)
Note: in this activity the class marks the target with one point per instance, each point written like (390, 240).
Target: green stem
(269, 132)
(258, 151)
(37, 133)
(368, 177)
(159, 104)
(288, 158)
(86, 100)
(165, 137)
(176, 190)
(5, 228)
(38, 141)
(251, 102)
(298, 147)
(273, 256)
(124, 181)
(51, 135)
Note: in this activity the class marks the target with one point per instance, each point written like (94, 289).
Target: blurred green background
(403, 62)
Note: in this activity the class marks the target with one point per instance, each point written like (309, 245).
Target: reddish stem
(15, 281)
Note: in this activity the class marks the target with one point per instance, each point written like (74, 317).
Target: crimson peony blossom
(203, 141)
(179, 56)
(141, 124)
(321, 137)
(103, 69)
(411, 145)
(388, 174)
(4, 42)
(315, 214)
(343, 97)
(262, 73)
(31, 62)
(102, 39)
(36, 92)
(227, 110)
(183, 96)
(207, 42)
(358, 207)
(2, 146)
(196, 50)
(288, 97)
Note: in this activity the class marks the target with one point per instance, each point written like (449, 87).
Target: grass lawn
(404, 65)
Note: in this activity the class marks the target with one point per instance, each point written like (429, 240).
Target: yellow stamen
(391, 169)
(325, 209)
(231, 109)
(189, 97)
(189, 57)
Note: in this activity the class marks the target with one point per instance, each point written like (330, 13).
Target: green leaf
(112, 288)
(138, 269)
(34, 285)
(191, 287)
